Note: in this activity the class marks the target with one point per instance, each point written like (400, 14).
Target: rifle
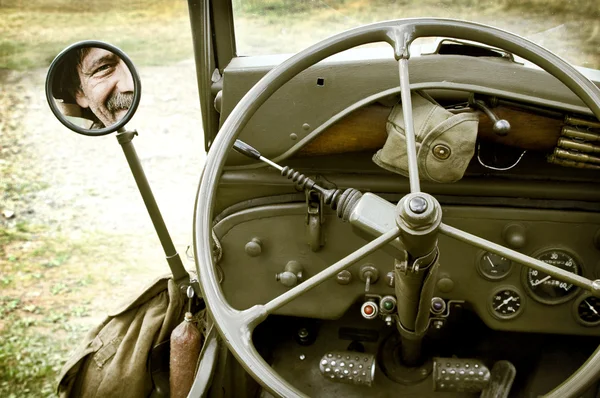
(572, 140)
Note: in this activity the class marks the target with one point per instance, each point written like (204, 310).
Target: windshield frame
(223, 31)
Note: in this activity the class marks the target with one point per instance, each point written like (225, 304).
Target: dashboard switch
(369, 310)
(438, 305)
(387, 304)
(368, 274)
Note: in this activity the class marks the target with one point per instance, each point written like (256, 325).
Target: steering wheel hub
(418, 205)
(418, 211)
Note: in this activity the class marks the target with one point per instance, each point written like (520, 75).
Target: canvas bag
(433, 126)
(114, 360)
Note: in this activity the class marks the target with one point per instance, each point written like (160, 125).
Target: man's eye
(102, 70)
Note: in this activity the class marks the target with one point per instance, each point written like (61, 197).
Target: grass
(46, 302)
(149, 31)
(34, 343)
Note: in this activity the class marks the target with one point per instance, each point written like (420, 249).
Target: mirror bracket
(124, 136)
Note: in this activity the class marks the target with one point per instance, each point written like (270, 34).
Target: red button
(368, 309)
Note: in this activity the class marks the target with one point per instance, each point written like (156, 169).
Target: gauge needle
(541, 281)
(490, 261)
(508, 300)
(591, 307)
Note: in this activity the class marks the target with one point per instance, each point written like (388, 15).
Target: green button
(388, 305)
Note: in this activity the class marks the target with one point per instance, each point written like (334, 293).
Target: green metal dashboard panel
(282, 231)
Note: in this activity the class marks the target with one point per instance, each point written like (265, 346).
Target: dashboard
(506, 296)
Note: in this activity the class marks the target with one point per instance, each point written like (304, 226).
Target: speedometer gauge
(547, 289)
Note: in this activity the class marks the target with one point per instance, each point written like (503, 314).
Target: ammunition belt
(579, 144)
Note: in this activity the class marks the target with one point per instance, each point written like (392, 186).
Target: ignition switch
(291, 275)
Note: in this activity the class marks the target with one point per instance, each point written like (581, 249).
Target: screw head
(303, 333)
(418, 204)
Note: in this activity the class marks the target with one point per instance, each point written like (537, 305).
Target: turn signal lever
(338, 199)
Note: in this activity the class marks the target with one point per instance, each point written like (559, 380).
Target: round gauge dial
(493, 266)
(588, 310)
(506, 303)
(547, 289)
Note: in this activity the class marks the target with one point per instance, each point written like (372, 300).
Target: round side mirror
(93, 88)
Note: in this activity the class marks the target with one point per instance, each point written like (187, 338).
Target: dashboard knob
(344, 277)
(501, 127)
(254, 247)
(515, 236)
(287, 278)
(291, 275)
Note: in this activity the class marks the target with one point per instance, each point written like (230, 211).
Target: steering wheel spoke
(409, 126)
(558, 273)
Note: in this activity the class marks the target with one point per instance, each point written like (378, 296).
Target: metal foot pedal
(471, 376)
(503, 375)
(460, 375)
(348, 367)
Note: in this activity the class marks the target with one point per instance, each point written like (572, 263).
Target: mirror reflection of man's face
(106, 85)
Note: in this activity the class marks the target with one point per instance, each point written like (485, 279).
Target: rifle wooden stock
(364, 130)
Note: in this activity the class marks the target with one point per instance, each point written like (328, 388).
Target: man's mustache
(118, 101)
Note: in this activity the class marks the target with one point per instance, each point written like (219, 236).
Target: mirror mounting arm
(180, 275)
